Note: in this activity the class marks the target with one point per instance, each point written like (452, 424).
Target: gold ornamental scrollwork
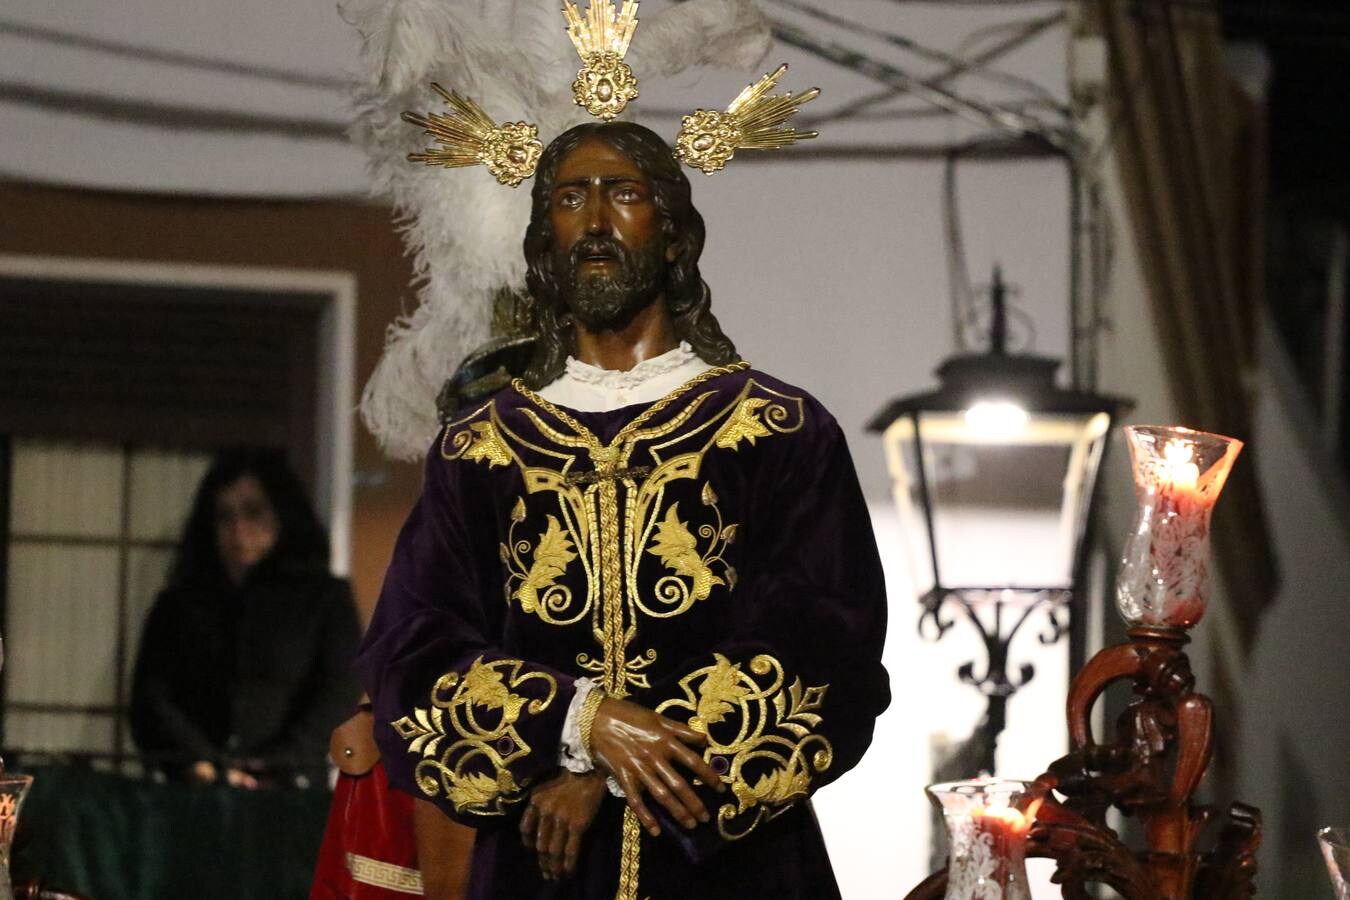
(468, 137)
(755, 120)
(755, 418)
(606, 84)
(679, 550)
(533, 570)
(467, 737)
(762, 731)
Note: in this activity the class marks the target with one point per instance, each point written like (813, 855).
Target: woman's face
(246, 526)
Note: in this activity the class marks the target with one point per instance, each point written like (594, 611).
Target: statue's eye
(570, 200)
(628, 194)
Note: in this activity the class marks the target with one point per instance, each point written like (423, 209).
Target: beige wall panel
(163, 484)
(66, 489)
(62, 617)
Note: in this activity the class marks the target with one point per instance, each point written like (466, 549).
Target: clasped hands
(203, 771)
(641, 750)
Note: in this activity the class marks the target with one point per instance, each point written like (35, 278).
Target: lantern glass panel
(1007, 503)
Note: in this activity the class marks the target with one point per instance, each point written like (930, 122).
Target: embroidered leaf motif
(709, 496)
(775, 788)
(473, 790)
(729, 534)
(744, 423)
(732, 577)
(484, 686)
(488, 446)
(673, 538)
(518, 511)
(552, 555)
(719, 693)
(678, 549)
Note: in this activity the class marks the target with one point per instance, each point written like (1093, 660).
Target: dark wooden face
(600, 192)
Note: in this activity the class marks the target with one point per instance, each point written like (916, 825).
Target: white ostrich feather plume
(462, 229)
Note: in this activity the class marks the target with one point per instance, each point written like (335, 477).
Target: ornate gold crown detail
(468, 137)
(605, 83)
(754, 121)
(708, 139)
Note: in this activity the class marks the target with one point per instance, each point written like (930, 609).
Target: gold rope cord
(611, 590)
(628, 861)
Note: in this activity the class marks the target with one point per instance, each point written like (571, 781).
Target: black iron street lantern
(994, 474)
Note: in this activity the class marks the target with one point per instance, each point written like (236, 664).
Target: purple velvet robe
(709, 556)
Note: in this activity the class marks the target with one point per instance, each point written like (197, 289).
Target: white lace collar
(640, 374)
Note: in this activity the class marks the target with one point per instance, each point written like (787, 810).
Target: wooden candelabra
(1150, 770)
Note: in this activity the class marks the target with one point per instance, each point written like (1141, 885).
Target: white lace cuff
(572, 756)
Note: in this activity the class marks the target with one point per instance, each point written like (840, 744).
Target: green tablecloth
(115, 838)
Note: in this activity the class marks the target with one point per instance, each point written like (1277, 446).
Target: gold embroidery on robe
(761, 731)
(468, 739)
(536, 587)
(479, 442)
(608, 518)
(757, 417)
(678, 549)
(605, 520)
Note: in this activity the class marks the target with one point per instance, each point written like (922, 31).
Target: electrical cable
(146, 53)
(904, 43)
(1031, 30)
(976, 111)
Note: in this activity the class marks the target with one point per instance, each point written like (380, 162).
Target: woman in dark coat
(244, 663)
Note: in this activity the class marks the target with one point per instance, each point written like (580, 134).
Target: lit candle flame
(1178, 466)
(1015, 821)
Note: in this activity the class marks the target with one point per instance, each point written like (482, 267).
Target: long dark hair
(302, 543)
(687, 295)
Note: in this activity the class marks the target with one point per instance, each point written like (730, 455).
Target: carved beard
(609, 301)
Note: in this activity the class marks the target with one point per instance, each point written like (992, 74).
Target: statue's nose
(597, 217)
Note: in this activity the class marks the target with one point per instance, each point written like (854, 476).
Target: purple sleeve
(458, 720)
(789, 696)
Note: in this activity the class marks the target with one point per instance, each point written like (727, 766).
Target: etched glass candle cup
(1335, 843)
(1178, 474)
(13, 788)
(987, 820)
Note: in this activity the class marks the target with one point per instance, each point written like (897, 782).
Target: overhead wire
(1031, 30)
(147, 53)
(910, 45)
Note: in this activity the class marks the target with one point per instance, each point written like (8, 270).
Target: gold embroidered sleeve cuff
(469, 739)
(763, 736)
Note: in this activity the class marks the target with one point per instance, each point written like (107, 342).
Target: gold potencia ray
(605, 84)
(753, 121)
(468, 137)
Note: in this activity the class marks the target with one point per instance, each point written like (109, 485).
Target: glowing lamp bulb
(996, 418)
